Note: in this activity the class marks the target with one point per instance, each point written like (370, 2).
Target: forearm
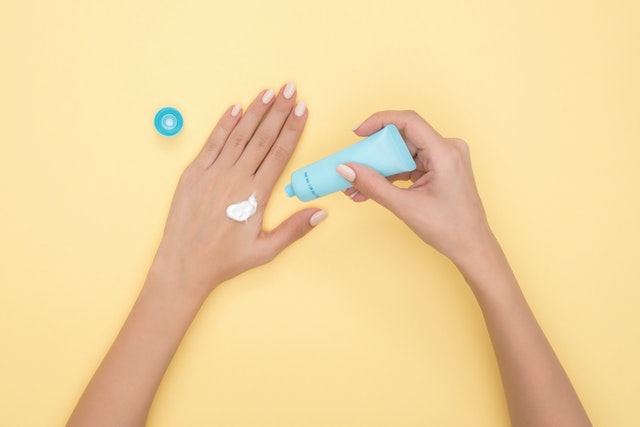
(537, 389)
(200, 249)
(123, 387)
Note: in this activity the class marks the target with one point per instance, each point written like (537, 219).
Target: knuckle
(455, 155)
(412, 113)
(293, 127)
(188, 181)
(261, 139)
(212, 146)
(460, 143)
(459, 146)
(280, 153)
(237, 140)
(188, 176)
(369, 188)
(283, 108)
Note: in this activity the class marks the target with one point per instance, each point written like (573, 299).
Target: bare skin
(443, 208)
(201, 249)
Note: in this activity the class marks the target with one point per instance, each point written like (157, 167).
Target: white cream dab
(242, 211)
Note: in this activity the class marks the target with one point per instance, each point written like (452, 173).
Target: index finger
(417, 133)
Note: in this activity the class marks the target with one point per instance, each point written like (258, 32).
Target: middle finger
(269, 130)
(245, 129)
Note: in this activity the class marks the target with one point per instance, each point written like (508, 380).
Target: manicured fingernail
(300, 109)
(346, 172)
(354, 194)
(317, 218)
(356, 127)
(268, 96)
(236, 110)
(289, 90)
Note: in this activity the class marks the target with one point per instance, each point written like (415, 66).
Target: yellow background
(359, 323)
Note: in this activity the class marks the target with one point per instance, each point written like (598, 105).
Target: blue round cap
(168, 121)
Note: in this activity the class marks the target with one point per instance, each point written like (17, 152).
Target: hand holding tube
(442, 205)
(384, 151)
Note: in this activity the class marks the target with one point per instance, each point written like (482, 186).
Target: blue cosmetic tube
(385, 151)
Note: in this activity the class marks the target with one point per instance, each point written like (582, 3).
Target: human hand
(442, 206)
(245, 154)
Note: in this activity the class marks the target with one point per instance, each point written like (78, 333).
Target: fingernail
(356, 127)
(317, 218)
(346, 172)
(268, 96)
(289, 90)
(300, 109)
(354, 194)
(235, 110)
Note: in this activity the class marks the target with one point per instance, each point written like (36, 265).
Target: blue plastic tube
(384, 151)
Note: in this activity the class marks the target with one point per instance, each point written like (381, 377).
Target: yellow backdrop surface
(359, 323)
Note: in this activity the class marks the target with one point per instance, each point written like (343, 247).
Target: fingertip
(369, 183)
(363, 130)
(355, 195)
(350, 192)
(267, 96)
(370, 125)
(289, 90)
(318, 217)
(346, 172)
(300, 109)
(359, 197)
(235, 110)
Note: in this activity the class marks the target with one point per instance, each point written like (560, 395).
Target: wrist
(484, 265)
(169, 286)
(181, 274)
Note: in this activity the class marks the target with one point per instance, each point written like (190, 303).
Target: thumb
(293, 228)
(370, 184)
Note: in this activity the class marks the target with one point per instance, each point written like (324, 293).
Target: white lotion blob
(242, 211)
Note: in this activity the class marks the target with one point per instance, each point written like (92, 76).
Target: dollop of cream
(242, 211)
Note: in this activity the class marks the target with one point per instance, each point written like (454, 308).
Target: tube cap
(168, 121)
(289, 190)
